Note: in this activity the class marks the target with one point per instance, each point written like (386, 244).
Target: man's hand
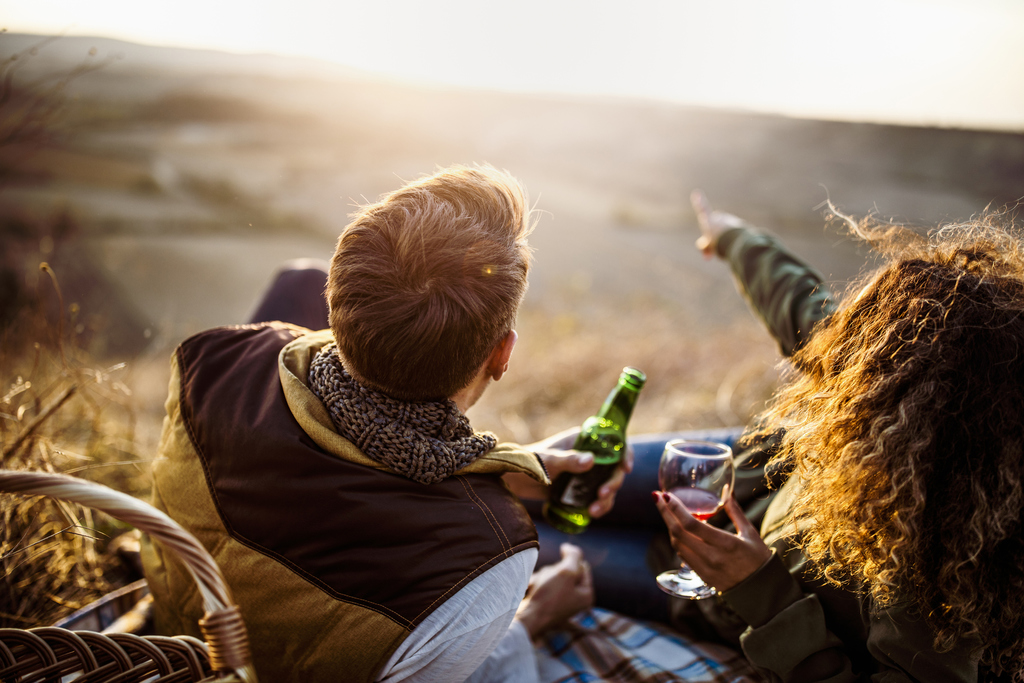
(556, 592)
(557, 455)
(712, 223)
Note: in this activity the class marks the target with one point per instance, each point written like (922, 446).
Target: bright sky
(946, 62)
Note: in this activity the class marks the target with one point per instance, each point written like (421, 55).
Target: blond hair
(426, 282)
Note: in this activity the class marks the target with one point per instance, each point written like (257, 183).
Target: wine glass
(695, 472)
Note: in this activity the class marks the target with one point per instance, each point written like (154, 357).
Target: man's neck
(465, 398)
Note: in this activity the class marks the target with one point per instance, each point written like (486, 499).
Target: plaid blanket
(599, 646)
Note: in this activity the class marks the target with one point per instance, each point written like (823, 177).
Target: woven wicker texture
(56, 654)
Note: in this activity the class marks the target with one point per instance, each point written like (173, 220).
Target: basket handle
(222, 624)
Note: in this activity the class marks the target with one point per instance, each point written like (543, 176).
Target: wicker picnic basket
(59, 655)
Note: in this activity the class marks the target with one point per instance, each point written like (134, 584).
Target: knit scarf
(425, 441)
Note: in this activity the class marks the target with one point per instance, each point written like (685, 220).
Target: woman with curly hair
(894, 549)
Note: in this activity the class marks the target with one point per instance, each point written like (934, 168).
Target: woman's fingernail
(655, 495)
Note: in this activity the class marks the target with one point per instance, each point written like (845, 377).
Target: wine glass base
(685, 583)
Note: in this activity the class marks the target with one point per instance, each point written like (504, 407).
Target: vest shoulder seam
(491, 518)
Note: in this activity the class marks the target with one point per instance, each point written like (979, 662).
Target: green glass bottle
(604, 435)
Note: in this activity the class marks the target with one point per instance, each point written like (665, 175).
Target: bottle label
(577, 494)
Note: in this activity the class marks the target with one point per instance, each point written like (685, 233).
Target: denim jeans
(296, 295)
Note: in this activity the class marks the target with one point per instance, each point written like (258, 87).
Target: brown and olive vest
(332, 559)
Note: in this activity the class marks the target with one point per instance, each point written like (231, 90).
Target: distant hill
(62, 52)
(173, 144)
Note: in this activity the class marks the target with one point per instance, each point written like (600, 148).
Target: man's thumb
(572, 555)
(580, 462)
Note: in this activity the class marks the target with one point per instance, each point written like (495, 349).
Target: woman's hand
(557, 455)
(721, 558)
(712, 223)
(556, 592)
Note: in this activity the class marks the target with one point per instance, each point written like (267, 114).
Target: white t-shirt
(472, 636)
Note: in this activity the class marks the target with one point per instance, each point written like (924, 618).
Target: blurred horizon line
(287, 63)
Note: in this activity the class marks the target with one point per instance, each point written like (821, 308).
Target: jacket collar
(312, 416)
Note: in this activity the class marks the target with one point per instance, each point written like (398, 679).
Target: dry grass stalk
(58, 413)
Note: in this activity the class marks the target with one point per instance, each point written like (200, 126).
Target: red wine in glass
(697, 473)
(700, 503)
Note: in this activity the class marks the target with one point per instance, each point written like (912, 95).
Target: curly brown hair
(906, 431)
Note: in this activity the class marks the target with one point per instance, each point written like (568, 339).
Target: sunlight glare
(937, 61)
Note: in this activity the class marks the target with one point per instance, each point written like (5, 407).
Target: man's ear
(497, 364)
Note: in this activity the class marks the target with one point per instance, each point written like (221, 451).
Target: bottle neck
(618, 407)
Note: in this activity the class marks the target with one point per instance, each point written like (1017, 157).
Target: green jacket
(791, 626)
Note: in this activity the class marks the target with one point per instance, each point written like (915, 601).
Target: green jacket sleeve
(788, 639)
(787, 294)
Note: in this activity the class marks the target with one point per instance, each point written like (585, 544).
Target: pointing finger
(701, 207)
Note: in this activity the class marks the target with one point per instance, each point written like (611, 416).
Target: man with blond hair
(364, 526)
